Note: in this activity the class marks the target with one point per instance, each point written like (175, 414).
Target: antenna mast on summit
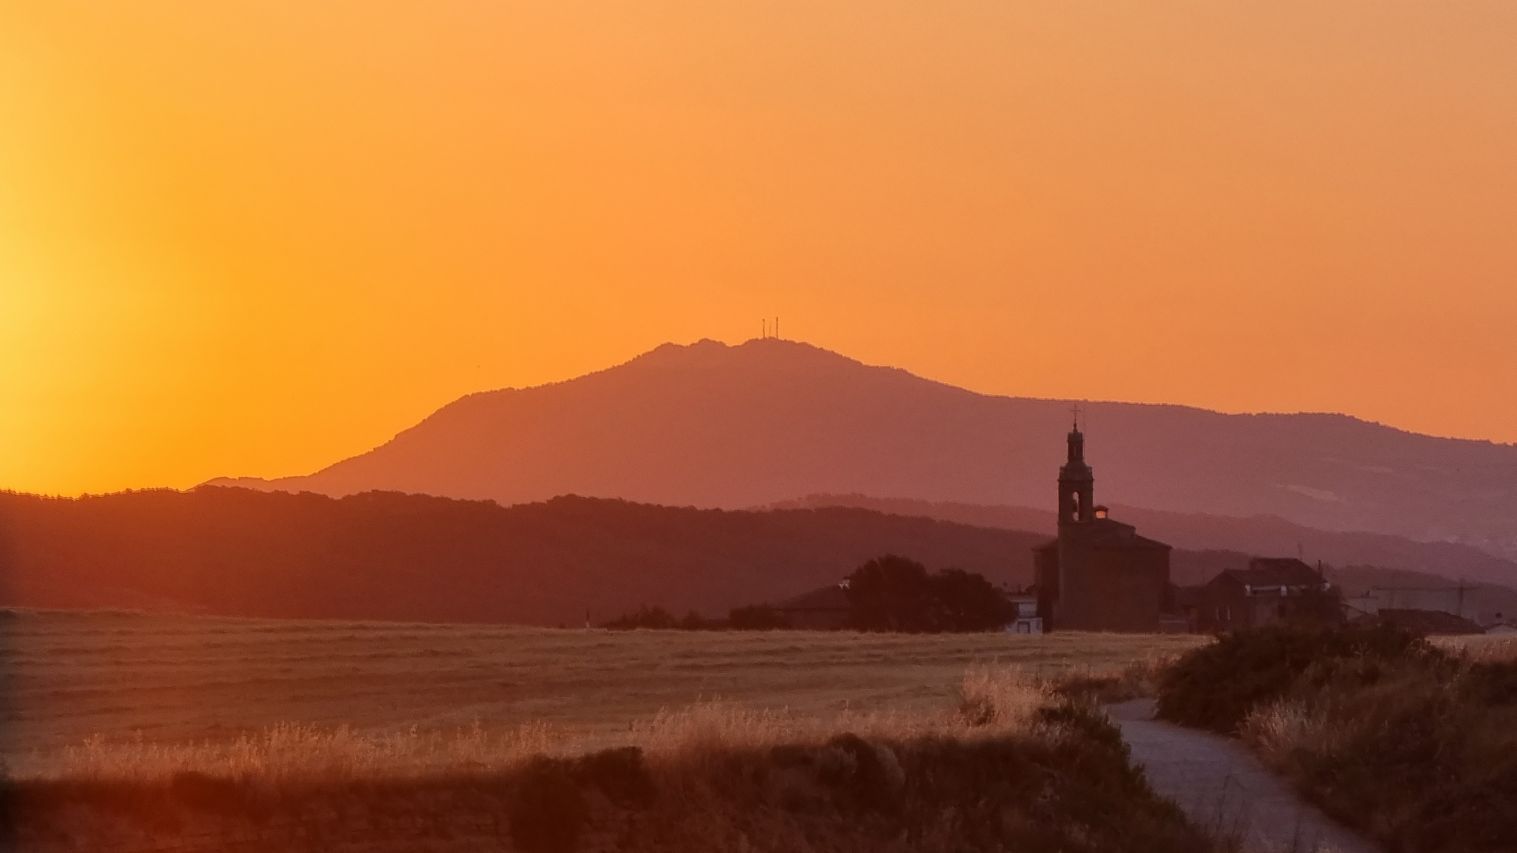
(776, 326)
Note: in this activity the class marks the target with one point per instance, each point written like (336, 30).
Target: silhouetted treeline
(753, 617)
(896, 594)
(384, 555)
(888, 593)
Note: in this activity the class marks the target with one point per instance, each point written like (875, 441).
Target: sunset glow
(256, 238)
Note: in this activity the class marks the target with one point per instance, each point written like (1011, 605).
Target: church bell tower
(1077, 483)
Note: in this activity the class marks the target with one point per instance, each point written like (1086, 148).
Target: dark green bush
(620, 774)
(548, 811)
(1216, 686)
(1416, 746)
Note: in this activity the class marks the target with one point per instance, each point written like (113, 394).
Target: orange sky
(253, 238)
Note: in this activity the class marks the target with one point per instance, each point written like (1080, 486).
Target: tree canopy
(893, 593)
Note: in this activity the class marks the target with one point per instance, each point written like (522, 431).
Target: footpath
(1221, 786)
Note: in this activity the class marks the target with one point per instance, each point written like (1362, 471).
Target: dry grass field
(110, 693)
(147, 732)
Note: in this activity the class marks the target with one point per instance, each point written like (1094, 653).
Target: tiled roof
(1108, 533)
(1276, 571)
(1105, 533)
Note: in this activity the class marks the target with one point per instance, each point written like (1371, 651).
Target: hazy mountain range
(415, 557)
(420, 558)
(1257, 535)
(713, 425)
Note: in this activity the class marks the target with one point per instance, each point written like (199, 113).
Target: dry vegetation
(146, 733)
(1411, 741)
(87, 692)
(1009, 766)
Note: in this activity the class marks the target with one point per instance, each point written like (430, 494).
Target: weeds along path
(1223, 788)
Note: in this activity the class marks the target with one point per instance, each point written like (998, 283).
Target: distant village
(1099, 574)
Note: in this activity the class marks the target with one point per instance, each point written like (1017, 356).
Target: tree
(645, 617)
(893, 593)
(889, 593)
(966, 601)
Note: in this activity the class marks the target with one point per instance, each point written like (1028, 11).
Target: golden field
(132, 693)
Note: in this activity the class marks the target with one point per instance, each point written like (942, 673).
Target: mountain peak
(730, 425)
(708, 352)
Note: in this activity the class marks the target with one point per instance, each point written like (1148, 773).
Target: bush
(548, 811)
(1421, 752)
(1413, 745)
(620, 774)
(1217, 686)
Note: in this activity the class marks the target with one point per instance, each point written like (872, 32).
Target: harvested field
(89, 690)
(148, 733)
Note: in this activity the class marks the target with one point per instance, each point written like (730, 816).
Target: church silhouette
(1098, 574)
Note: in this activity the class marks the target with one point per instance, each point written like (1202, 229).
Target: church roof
(1109, 533)
(1275, 571)
(1105, 533)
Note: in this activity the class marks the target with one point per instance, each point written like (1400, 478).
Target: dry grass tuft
(290, 752)
(1414, 743)
(1483, 648)
(1011, 766)
(993, 700)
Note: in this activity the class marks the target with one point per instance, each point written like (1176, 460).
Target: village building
(1027, 620)
(1098, 574)
(1270, 590)
(1456, 600)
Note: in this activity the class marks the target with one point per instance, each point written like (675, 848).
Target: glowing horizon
(254, 239)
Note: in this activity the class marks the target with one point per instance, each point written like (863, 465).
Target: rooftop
(1275, 571)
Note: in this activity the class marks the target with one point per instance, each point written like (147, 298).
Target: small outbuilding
(1270, 590)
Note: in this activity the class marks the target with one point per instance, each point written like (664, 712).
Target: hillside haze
(238, 552)
(731, 426)
(1256, 535)
(379, 555)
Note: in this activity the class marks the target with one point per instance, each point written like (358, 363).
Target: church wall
(1111, 589)
(1046, 575)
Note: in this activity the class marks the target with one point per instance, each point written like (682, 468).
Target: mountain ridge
(387, 556)
(1259, 535)
(709, 424)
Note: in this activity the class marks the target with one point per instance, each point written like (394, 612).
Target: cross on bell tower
(1077, 483)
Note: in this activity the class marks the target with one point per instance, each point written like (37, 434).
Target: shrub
(548, 811)
(1416, 751)
(620, 774)
(1414, 745)
(1217, 686)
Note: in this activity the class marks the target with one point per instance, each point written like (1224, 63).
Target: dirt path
(1221, 786)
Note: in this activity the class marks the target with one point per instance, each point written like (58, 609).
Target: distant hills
(713, 425)
(1259, 535)
(419, 558)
